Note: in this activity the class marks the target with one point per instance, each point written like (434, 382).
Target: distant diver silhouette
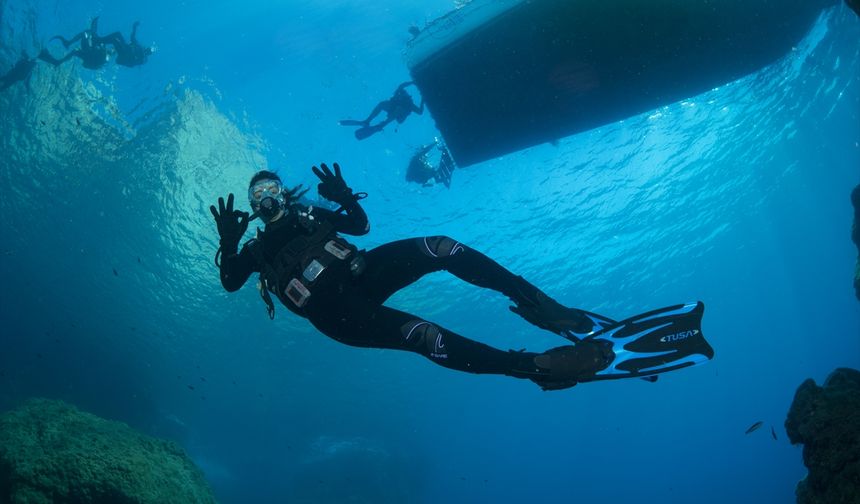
(92, 52)
(129, 54)
(397, 108)
(420, 171)
(19, 72)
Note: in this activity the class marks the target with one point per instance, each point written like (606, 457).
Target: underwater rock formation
(826, 420)
(50, 452)
(855, 235)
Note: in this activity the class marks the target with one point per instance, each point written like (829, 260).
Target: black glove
(332, 186)
(232, 224)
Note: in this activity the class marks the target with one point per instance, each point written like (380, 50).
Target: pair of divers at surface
(93, 50)
(304, 262)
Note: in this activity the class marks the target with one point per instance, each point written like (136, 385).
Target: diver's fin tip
(655, 342)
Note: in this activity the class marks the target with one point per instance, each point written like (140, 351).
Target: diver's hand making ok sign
(232, 224)
(332, 186)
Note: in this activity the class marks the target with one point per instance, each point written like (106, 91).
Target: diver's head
(266, 196)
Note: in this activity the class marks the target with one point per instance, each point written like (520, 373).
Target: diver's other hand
(231, 223)
(332, 186)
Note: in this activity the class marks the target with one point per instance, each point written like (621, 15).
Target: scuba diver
(20, 72)
(398, 108)
(92, 51)
(421, 171)
(303, 260)
(128, 54)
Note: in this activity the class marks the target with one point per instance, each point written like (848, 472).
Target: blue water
(109, 298)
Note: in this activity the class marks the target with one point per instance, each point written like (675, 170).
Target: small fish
(77, 120)
(202, 379)
(115, 273)
(138, 260)
(190, 387)
(754, 427)
(773, 432)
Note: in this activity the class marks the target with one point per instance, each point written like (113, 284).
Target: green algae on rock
(51, 452)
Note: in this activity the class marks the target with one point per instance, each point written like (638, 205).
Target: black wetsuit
(92, 51)
(397, 108)
(128, 54)
(348, 306)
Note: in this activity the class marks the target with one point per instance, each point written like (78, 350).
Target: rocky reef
(855, 235)
(826, 420)
(50, 452)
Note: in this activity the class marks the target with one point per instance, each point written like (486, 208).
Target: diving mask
(267, 199)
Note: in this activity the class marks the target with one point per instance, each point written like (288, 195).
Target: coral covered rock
(827, 421)
(51, 452)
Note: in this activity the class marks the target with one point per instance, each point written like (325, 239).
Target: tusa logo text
(679, 336)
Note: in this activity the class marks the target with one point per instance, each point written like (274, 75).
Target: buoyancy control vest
(299, 266)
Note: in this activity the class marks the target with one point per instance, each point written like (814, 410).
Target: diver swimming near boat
(303, 260)
(421, 171)
(397, 108)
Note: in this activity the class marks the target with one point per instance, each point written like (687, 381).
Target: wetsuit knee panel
(425, 338)
(440, 246)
